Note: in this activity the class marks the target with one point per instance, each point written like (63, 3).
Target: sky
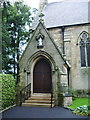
(34, 3)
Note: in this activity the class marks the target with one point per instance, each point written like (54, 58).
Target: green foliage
(66, 91)
(74, 93)
(89, 106)
(16, 19)
(81, 106)
(82, 110)
(8, 90)
(79, 93)
(79, 102)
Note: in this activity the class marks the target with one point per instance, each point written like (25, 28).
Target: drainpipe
(63, 30)
(68, 71)
(68, 66)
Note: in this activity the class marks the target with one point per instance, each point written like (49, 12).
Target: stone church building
(58, 53)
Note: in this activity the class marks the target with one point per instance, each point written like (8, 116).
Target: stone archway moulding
(33, 60)
(37, 55)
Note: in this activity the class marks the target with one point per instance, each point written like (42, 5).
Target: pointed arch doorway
(42, 77)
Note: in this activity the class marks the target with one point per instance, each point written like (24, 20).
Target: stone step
(39, 98)
(39, 95)
(39, 101)
(42, 94)
(37, 105)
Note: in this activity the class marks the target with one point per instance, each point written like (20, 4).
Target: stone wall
(67, 101)
(49, 52)
(78, 75)
(57, 36)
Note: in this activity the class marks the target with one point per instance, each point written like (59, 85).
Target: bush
(8, 90)
(89, 107)
(80, 93)
(82, 110)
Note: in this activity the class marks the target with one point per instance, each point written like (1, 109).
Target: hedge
(8, 90)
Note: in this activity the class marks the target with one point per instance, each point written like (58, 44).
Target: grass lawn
(79, 102)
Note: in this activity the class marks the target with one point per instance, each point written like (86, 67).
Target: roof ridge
(68, 1)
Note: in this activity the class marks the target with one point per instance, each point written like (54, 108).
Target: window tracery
(85, 49)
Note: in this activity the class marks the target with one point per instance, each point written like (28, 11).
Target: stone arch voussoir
(41, 54)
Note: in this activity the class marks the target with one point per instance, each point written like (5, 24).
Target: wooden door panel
(42, 77)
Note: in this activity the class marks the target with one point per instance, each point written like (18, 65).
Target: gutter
(79, 24)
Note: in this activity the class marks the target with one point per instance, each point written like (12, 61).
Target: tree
(16, 19)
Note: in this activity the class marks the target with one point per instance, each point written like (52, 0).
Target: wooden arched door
(42, 79)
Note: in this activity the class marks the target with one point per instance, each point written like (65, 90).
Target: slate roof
(68, 12)
(65, 13)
